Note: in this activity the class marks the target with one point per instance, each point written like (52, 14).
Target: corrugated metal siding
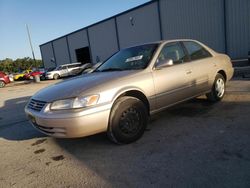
(197, 19)
(238, 27)
(103, 40)
(61, 51)
(202, 20)
(47, 55)
(145, 29)
(77, 40)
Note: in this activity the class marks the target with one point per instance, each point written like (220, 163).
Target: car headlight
(78, 102)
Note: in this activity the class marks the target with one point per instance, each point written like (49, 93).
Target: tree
(20, 64)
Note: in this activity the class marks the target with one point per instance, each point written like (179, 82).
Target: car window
(73, 66)
(59, 68)
(196, 51)
(173, 51)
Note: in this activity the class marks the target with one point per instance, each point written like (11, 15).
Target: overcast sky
(49, 19)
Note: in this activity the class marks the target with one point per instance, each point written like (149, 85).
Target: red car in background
(32, 75)
(4, 79)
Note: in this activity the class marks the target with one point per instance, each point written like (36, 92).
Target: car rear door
(202, 67)
(64, 71)
(173, 83)
(74, 69)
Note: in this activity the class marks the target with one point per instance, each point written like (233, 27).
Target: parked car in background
(120, 95)
(64, 71)
(20, 76)
(4, 79)
(83, 68)
(11, 77)
(92, 68)
(43, 76)
(31, 75)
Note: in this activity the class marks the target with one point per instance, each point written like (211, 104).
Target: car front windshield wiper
(110, 69)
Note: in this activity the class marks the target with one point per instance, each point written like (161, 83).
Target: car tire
(56, 76)
(2, 84)
(42, 78)
(128, 120)
(218, 89)
(20, 79)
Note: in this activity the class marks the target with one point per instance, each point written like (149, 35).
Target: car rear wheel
(56, 76)
(2, 84)
(128, 120)
(218, 89)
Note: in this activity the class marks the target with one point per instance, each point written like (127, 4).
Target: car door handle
(188, 71)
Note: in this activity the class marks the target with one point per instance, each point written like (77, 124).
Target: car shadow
(13, 122)
(183, 146)
(184, 142)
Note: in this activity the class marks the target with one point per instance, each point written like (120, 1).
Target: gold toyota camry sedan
(134, 83)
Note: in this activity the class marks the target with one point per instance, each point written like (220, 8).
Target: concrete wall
(61, 51)
(77, 40)
(196, 19)
(103, 40)
(47, 55)
(238, 27)
(143, 28)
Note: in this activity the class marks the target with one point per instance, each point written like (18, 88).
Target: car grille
(36, 105)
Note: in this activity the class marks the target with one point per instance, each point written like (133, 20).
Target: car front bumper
(49, 77)
(70, 125)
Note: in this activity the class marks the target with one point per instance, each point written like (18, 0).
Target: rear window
(196, 51)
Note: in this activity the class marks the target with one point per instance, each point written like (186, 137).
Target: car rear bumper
(70, 127)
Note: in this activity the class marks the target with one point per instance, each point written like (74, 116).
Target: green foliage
(13, 66)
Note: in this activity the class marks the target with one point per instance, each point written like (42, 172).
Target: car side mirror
(164, 63)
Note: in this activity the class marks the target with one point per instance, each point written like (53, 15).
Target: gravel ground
(193, 144)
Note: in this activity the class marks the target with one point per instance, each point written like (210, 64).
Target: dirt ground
(193, 144)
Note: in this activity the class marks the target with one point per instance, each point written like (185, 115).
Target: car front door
(172, 83)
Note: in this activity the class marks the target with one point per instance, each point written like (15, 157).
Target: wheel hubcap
(1, 84)
(130, 122)
(220, 87)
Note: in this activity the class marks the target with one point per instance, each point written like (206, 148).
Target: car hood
(76, 86)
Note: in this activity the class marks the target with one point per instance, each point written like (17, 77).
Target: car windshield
(129, 59)
(58, 68)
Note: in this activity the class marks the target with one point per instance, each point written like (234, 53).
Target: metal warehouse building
(223, 25)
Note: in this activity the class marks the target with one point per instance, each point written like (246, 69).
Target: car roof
(71, 64)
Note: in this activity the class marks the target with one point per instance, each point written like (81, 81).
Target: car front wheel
(128, 120)
(56, 76)
(218, 89)
(2, 84)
